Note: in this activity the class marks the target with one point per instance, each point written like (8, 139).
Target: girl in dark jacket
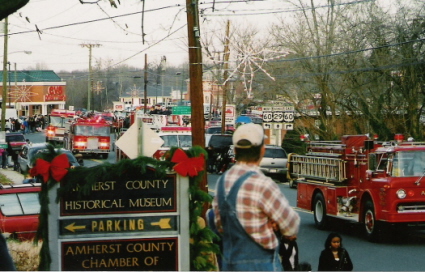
(334, 257)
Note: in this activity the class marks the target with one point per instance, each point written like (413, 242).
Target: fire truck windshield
(56, 121)
(408, 163)
(92, 131)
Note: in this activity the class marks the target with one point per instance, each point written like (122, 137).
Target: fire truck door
(331, 201)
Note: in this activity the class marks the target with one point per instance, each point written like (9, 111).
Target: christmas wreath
(53, 167)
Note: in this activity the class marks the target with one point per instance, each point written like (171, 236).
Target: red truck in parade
(58, 123)
(89, 136)
(362, 180)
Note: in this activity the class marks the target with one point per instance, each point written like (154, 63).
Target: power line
(257, 12)
(87, 22)
(351, 52)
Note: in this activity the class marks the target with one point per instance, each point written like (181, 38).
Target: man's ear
(263, 151)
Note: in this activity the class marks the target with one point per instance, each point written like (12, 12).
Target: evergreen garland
(201, 246)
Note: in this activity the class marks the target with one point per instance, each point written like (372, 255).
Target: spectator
(247, 205)
(334, 257)
(25, 126)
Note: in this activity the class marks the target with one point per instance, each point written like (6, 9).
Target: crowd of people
(31, 124)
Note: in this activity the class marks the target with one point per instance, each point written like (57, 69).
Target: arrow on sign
(289, 126)
(72, 227)
(267, 125)
(163, 223)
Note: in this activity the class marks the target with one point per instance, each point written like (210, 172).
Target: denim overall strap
(240, 251)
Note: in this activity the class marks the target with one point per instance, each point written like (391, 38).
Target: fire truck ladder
(317, 168)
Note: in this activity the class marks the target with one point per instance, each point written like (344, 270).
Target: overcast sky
(65, 25)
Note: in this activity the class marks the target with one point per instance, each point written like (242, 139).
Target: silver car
(274, 162)
(30, 152)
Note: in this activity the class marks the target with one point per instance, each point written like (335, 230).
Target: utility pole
(146, 84)
(195, 73)
(163, 67)
(225, 75)
(90, 81)
(195, 77)
(5, 74)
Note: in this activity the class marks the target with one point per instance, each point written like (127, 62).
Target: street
(366, 256)
(404, 255)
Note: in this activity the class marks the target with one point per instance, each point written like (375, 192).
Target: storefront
(34, 92)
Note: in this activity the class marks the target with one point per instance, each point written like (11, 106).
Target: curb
(14, 176)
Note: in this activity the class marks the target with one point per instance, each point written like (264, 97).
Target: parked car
(217, 130)
(16, 140)
(19, 210)
(219, 153)
(29, 153)
(274, 162)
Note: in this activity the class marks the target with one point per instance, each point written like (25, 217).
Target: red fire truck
(362, 180)
(89, 136)
(59, 122)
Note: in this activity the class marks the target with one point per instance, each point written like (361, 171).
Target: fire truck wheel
(319, 209)
(370, 223)
(105, 156)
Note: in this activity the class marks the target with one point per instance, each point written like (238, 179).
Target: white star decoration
(249, 61)
(21, 93)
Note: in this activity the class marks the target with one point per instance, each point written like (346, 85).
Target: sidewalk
(14, 176)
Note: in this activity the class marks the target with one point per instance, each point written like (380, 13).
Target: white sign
(129, 141)
(288, 116)
(277, 125)
(288, 126)
(267, 125)
(230, 110)
(267, 116)
(230, 120)
(288, 108)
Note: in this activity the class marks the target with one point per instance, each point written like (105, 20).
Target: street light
(22, 51)
(6, 72)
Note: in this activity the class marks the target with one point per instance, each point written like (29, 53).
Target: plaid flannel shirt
(259, 203)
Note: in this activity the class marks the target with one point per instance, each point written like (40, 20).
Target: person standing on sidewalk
(247, 205)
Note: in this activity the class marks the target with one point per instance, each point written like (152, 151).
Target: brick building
(34, 92)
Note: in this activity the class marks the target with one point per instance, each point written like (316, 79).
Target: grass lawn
(4, 179)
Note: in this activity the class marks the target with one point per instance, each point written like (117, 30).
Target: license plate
(273, 170)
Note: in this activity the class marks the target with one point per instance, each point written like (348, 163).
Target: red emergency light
(399, 138)
(303, 137)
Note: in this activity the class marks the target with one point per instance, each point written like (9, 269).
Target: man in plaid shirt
(249, 207)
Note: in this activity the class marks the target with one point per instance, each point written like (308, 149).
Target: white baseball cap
(252, 133)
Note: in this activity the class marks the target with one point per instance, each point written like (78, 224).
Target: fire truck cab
(89, 136)
(59, 122)
(358, 179)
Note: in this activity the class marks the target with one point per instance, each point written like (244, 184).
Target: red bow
(187, 166)
(57, 168)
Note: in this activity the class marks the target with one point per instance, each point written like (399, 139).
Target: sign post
(138, 223)
(277, 118)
